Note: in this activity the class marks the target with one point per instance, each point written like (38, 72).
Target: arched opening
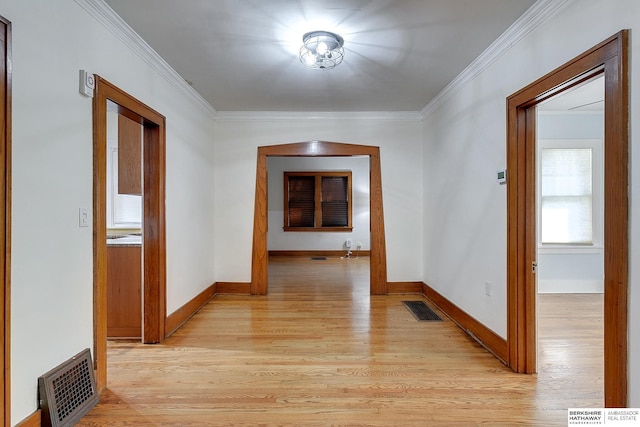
(260, 258)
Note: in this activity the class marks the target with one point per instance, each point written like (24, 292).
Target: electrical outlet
(359, 245)
(487, 288)
(347, 244)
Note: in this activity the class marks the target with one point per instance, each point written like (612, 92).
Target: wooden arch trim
(154, 247)
(378, 264)
(609, 58)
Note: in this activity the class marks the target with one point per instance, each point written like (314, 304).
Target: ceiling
(588, 96)
(242, 55)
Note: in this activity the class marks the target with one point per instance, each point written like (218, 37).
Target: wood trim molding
(312, 253)
(179, 317)
(108, 96)
(404, 287)
(240, 288)
(259, 258)
(476, 330)
(5, 214)
(154, 238)
(611, 59)
(33, 420)
(317, 176)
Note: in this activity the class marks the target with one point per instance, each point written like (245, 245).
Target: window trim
(597, 196)
(318, 199)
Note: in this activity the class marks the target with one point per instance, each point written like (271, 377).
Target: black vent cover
(68, 391)
(421, 311)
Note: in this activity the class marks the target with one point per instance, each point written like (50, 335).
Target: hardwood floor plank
(318, 350)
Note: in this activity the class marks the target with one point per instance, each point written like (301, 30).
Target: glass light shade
(321, 50)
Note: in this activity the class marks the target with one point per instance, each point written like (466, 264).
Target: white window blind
(567, 195)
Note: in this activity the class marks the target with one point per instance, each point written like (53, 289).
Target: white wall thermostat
(87, 83)
(502, 176)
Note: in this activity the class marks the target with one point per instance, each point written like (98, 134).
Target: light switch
(83, 217)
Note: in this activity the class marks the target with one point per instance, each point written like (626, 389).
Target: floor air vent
(421, 311)
(68, 391)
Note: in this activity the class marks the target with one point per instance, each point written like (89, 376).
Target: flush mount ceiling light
(321, 50)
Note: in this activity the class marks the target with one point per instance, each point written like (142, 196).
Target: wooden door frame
(260, 258)
(154, 244)
(609, 58)
(5, 212)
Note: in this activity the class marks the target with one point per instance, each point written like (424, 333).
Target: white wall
(461, 245)
(235, 156)
(465, 144)
(52, 271)
(278, 239)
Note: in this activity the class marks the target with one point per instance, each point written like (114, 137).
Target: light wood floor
(318, 350)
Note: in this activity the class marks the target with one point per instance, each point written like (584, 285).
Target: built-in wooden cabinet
(129, 156)
(124, 291)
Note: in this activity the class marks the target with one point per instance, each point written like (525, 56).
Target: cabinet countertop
(129, 240)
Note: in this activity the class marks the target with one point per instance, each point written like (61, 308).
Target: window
(317, 201)
(569, 192)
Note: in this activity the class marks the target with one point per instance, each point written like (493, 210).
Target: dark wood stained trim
(611, 59)
(404, 287)
(33, 420)
(99, 239)
(154, 247)
(476, 330)
(259, 258)
(5, 213)
(233, 288)
(327, 253)
(107, 96)
(378, 269)
(179, 317)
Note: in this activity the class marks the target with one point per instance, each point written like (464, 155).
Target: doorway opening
(124, 226)
(569, 230)
(108, 96)
(318, 210)
(610, 59)
(260, 258)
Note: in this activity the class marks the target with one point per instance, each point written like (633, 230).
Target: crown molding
(118, 27)
(536, 15)
(238, 116)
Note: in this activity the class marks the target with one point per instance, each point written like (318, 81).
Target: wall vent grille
(68, 391)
